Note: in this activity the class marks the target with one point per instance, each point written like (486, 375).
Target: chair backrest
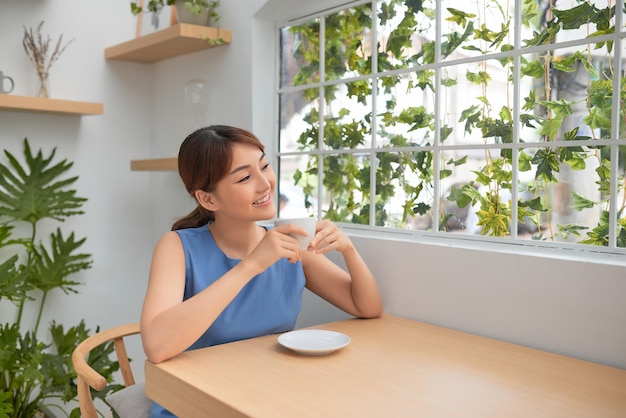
(88, 377)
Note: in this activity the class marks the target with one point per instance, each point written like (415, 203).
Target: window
(493, 118)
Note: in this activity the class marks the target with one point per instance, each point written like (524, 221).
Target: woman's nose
(264, 181)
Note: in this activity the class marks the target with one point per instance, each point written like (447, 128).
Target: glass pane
(476, 192)
(562, 194)
(562, 21)
(570, 94)
(346, 188)
(406, 34)
(476, 28)
(297, 186)
(477, 105)
(299, 120)
(348, 46)
(299, 54)
(347, 117)
(404, 190)
(405, 108)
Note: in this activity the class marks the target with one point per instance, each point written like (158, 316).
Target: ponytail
(198, 217)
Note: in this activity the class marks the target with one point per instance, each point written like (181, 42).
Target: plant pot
(184, 15)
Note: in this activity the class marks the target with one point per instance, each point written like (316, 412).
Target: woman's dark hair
(204, 158)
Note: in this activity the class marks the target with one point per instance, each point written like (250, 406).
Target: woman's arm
(170, 325)
(354, 291)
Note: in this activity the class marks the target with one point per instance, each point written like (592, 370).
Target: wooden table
(393, 367)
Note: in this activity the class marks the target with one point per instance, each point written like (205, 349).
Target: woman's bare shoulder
(169, 240)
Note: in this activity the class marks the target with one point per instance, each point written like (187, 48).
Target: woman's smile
(263, 201)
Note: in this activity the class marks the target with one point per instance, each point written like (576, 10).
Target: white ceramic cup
(9, 83)
(306, 223)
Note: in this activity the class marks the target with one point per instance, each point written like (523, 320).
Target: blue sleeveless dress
(268, 304)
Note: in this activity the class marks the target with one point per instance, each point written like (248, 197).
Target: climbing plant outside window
(494, 118)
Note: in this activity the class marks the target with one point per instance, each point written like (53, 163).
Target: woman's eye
(246, 178)
(265, 167)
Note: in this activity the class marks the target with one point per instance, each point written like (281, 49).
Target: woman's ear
(206, 200)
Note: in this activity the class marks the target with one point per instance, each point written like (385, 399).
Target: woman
(218, 277)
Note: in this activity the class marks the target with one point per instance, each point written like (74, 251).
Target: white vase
(184, 15)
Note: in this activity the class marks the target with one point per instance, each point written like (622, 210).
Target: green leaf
(576, 163)
(482, 178)
(501, 36)
(524, 161)
(567, 230)
(534, 69)
(547, 163)
(135, 9)
(598, 118)
(34, 192)
(445, 132)
(448, 82)
(455, 39)
(600, 234)
(471, 116)
(459, 196)
(546, 36)
(581, 202)
(492, 221)
(534, 204)
(445, 173)
(54, 267)
(575, 17)
(458, 16)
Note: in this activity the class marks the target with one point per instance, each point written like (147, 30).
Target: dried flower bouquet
(41, 54)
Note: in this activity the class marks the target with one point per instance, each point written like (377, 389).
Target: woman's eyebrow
(244, 167)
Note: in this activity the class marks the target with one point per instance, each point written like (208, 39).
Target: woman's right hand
(277, 244)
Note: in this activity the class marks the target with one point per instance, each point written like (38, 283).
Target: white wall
(118, 219)
(571, 307)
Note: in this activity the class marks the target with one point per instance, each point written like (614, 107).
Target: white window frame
(613, 255)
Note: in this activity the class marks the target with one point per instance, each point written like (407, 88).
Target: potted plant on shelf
(197, 12)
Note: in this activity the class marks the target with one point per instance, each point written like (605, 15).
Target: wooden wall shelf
(155, 164)
(178, 39)
(46, 105)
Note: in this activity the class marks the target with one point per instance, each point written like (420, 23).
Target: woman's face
(247, 191)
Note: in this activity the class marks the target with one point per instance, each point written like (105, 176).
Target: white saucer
(313, 342)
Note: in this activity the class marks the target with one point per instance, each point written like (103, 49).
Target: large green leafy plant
(36, 376)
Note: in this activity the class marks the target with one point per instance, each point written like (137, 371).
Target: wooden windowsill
(175, 40)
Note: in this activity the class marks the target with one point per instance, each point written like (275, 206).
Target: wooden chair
(88, 377)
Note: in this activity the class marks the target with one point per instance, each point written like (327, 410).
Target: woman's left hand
(329, 237)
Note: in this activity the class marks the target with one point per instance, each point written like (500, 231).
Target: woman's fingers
(284, 245)
(327, 238)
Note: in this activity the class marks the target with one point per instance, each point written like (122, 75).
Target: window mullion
(517, 42)
(615, 128)
(437, 149)
(322, 112)
(374, 125)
